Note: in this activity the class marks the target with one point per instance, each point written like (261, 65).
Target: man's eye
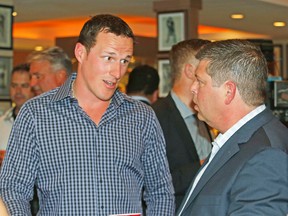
(36, 76)
(124, 61)
(107, 58)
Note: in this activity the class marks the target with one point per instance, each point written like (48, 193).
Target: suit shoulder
(161, 104)
(277, 134)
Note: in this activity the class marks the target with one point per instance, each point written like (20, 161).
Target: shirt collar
(65, 91)
(222, 138)
(183, 109)
(141, 98)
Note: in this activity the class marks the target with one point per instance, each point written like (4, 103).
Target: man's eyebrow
(129, 56)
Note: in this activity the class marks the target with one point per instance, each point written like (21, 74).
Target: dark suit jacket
(181, 152)
(249, 174)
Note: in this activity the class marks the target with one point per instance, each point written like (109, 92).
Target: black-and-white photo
(281, 94)
(164, 70)
(5, 69)
(171, 30)
(6, 21)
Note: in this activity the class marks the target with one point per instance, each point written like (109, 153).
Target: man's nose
(193, 88)
(116, 71)
(18, 89)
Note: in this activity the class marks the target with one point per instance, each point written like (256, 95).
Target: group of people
(42, 72)
(90, 149)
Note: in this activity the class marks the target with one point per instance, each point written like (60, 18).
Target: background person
(49, 69)
(143, 84)
(247, 171)
(187, 139)
(89, 148)
(20, 92)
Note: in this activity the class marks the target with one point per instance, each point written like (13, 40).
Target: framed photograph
(6, 21)
(5, 76)
(281, 94)
(171, 29)
(276, 66)
(164, 71)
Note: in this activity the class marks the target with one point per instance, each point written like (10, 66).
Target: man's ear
(80, 52)
(189, 70)
(155, 96)
(230, 91)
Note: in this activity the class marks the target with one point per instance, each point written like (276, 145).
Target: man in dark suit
(187, 139)
(247, 171)
(143, 84)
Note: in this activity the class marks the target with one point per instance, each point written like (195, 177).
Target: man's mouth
(109, 83)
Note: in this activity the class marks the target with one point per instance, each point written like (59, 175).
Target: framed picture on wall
(281, 94)
(6, 21)
(277, 63)
(5, 75)
(164, 71)
(171, 29)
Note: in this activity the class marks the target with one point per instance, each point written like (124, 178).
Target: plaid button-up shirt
(81, 168)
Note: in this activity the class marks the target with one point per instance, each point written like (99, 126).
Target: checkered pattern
(85, 169)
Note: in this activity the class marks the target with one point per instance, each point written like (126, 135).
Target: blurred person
(20, 92)
(188, 140)
(89, 148)
(49, 69)
(143, 84)
(246, 173)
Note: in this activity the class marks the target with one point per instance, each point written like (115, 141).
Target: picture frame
(164, 71)
(277, 60)
(281, 94)
(6, 22)
(6, 65)
(171, 29)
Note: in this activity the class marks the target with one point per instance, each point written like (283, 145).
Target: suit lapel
(230, 148)
(220, 159)
(190, 187)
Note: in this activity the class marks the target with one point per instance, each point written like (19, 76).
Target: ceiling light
(279, 24)
(237, 16)
(14, 13)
